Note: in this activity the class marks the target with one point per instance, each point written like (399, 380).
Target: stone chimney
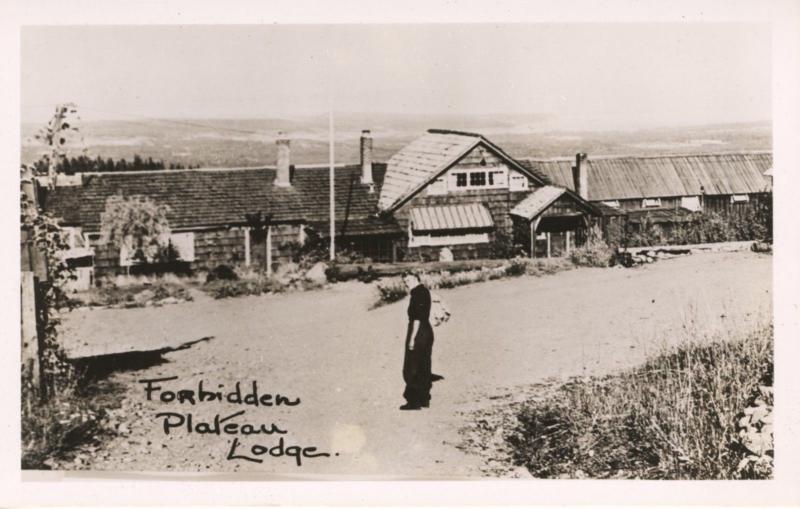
(283, 161)
(580, 176)
(366, 157)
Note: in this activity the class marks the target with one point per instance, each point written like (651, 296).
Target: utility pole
(331, 178)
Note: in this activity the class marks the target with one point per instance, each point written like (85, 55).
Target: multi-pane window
(469, 179)
(477, 178)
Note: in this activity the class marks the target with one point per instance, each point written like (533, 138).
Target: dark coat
(417, 362)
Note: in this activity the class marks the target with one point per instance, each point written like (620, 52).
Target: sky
(594, 75)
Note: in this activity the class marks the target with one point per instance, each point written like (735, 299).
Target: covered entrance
(551, 222)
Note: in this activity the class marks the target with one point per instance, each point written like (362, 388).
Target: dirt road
(344, 362)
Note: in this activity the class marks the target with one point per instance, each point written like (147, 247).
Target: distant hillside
(250, 142)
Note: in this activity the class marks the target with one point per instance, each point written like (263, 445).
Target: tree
(57, 135)
(136, 224)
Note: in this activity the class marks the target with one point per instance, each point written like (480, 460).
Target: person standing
(418, 346)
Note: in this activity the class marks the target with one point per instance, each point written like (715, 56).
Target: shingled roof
(430, 155)
(621, 178)
(222, 197)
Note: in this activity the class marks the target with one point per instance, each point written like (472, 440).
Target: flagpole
(331, 178)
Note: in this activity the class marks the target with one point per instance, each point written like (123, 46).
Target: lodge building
(447, 190)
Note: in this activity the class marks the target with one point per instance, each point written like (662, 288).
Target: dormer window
(477, 178)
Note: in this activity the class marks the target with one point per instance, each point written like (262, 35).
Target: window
(497, 178)
(691, 203)
(740, 198)
(518, 182)
(74, 238)
(611, 203)
(651, 202)
(477, 179)
(184, 245)
(461, 180)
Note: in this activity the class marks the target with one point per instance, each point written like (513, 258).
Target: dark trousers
(417, 366)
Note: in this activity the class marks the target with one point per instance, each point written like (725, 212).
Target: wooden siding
(223, 246)
(498, 201)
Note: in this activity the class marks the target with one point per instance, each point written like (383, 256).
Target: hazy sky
(598, 74)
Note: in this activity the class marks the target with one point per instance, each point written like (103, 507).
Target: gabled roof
(621, 178)
(427, 157)
(536, 202)
(205, 198)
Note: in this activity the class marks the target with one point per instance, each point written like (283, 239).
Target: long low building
(711, 182)
(446, 194)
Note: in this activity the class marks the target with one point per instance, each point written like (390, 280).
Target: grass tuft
(675, 417)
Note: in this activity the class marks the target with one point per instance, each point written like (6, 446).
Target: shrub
(502, 246)
(675, 417)
(223, 273)
(517, 267)
(594, 253)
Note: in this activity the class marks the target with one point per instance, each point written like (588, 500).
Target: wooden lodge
(446, 195)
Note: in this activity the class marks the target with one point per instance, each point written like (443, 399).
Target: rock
(445, 255)
(316, 274)
(169, 300)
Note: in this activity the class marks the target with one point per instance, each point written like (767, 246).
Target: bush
(503, 247)
(222, 273)
(594, 253)
(222, 288)
(516, 267)
(144, 293)
(675, 417)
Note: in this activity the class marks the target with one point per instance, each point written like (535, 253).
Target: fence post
(30, 336)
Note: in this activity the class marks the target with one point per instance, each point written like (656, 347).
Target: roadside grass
(77, 417)
(675, 417)
(393, 289)
(289, 277)
(131, 296)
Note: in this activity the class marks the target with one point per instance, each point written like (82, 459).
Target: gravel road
(344, 363)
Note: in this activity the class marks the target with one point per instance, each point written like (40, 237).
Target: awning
(451, 217)
(537, 202)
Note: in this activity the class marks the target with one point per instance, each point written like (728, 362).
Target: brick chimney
(580, 176)
(366, 157)
(283, 161)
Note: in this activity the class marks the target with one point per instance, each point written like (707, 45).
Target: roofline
(452, 131)
(321, 166)
(591, 157)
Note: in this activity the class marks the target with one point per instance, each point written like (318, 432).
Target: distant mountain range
(250, 142)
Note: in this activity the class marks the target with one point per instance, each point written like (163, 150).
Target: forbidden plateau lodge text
(233, 424)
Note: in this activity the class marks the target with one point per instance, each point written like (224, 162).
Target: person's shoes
(426, 404)
(436, 378)
(409, 406)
